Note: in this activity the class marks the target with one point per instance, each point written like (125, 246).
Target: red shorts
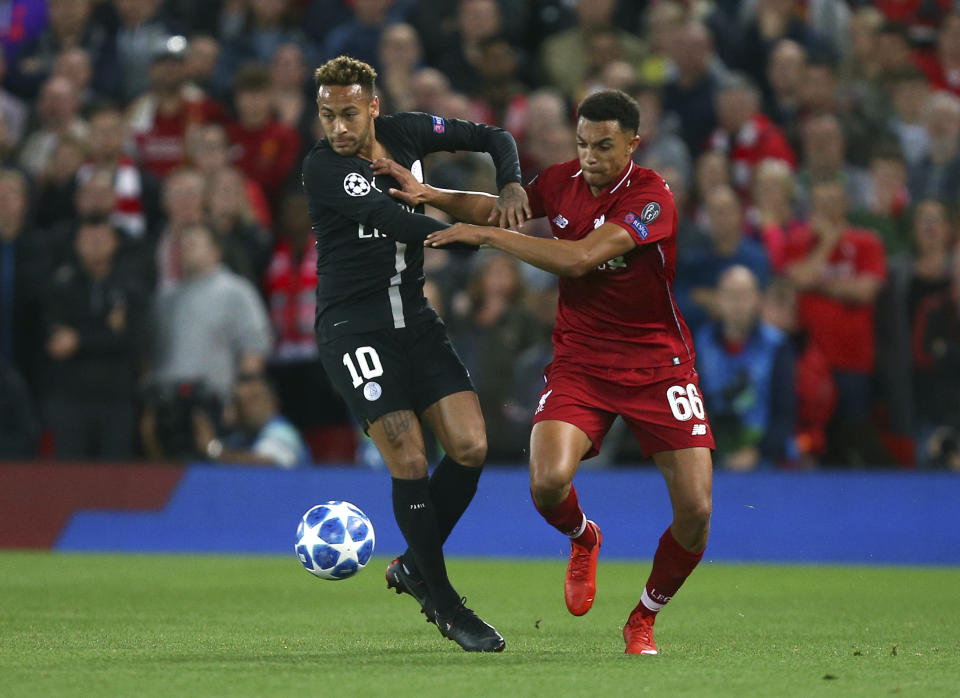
(662, 406)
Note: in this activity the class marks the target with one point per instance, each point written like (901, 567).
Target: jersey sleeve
(437, 133)
(649, 215)
(335, 183)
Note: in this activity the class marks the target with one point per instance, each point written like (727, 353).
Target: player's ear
(375, 107)
(634, 142)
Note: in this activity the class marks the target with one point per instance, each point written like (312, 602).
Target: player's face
(346, 117)
(603, 149)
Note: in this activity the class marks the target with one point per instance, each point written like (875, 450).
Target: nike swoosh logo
(342, 322)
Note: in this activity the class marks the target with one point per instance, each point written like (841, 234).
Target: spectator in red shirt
(159, 120)
(839, 271)
(290, 282)
(943, 72)
(208, 150)
(745, 133)
(264, 148)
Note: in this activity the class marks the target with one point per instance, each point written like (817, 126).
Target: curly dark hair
(611, 105)
(344, 70)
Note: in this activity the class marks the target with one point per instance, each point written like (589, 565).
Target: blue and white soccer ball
(334, 540)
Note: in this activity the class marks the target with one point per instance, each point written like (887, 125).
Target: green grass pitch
(125, 625)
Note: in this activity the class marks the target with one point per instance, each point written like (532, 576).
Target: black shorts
(394, 369)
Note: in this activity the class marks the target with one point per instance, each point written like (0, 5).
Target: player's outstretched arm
(510, 209)
(561, 257)
(436, 133)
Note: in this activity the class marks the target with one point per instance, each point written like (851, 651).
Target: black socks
(452, 487)
(417, 519)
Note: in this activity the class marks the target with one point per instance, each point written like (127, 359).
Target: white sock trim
(650, 603)
(579, 531)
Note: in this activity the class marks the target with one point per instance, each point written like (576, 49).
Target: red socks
(568, 518)
(672, 564)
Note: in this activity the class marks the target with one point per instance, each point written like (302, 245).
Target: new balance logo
(597, 222)
(699, 430)
(543, 401)
(422, 505)
(560, 221)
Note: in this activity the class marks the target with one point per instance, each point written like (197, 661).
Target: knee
(692, 524)
(548, 488)
(408, 465)
(470, 451)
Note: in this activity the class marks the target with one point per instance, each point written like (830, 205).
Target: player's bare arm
(561, 257)
(510, 209)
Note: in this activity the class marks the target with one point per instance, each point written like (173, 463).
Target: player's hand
(412, 193)
(458, 232)
(513, 207)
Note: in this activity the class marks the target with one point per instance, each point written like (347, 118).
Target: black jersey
(370, 245)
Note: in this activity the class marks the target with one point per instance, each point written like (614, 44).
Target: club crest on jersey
(439, 125)
(355, 184)
(560, 221)
(650, 213)
(543, 401)
(633, 220)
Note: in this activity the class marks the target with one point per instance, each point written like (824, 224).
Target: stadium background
(156, 115)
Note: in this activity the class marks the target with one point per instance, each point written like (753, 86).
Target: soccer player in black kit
(382, 344)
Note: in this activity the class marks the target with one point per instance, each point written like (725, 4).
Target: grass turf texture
(181, 625)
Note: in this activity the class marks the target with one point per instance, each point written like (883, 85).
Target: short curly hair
(344, 70)
(611, 105)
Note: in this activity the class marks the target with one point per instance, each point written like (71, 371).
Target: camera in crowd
(173, 406)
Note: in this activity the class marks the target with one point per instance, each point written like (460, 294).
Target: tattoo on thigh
(397, 423)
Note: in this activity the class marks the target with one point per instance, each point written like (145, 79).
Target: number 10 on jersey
(368, 362)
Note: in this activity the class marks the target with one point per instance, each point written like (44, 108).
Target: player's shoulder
(404, 121)
(322, 163)
(650, 182)
(320, 154)
(648, 191)
(560, 173)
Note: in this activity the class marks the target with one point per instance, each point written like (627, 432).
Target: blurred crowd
(157, 265)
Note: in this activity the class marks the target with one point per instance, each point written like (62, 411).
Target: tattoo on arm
(397, 423)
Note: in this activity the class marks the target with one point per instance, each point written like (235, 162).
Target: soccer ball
(334, 540)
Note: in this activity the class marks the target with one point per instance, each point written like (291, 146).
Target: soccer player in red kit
(621, 346)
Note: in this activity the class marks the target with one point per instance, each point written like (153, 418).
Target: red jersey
(757, 140)
(621, 315)
(266, 155)
(845, 331)
(291, 295)
(160, 138)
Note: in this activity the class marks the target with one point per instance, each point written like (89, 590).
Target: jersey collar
(618, 182)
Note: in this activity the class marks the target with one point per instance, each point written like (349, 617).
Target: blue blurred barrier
(830, 517)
